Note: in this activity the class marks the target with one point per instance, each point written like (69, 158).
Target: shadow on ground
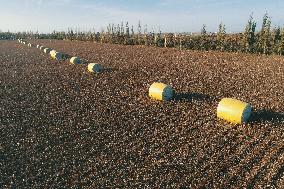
(266, 115)
(192, 97)
(109, 70)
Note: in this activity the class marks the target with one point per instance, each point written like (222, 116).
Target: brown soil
(62, 127)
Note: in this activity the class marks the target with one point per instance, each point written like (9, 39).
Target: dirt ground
(62, 127)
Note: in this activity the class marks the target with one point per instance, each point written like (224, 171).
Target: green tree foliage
(203, 42)
(280, 44)
(249, 36)
(221, 34)
(276, 39)
(265, 36)
(265, 41)
(203, 30)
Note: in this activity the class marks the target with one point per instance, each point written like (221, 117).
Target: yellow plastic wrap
(75, 60)
(56, 55)
(94, 68)
(233, 110)
(52, 52)
(160, 91)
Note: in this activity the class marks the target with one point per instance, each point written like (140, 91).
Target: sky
(168, 15)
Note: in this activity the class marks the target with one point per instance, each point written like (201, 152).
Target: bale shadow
(192, 97)
(84, 62)
(266, 115)
(66, 56)
(104, 70)
(109, 70)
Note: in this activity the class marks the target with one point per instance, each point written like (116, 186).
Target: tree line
(267, 40)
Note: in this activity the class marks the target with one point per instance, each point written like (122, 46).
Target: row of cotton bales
(92, 67)
(229, 109)
(26, 43)
(22, 41)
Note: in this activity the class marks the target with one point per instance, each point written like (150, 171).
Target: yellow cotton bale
(52, 52)
(233, 110)
(75, 60)
(46, 50)
(56, 55)
(95, 68)
(161, 91)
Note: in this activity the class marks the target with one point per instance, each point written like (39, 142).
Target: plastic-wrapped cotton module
(95, 68)
(233, 110)
(160, 91)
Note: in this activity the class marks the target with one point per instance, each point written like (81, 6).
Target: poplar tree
(221, 37)
(249, 36)
(264, 35)
(276, 39)
(280, 45)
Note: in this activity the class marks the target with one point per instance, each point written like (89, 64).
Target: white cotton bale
(95, 68)
(46, 50)
(41, 48)
(37, 46)
(75, 60)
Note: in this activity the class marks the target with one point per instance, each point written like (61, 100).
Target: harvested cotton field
(64, 127)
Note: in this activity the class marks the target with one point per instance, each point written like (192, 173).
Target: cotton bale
(46, 50)
(42, 48)
(161, 91)
(75, 60)
(37, 46)
(95, 68)
(56, 55)
(52, 52)
(234, 111)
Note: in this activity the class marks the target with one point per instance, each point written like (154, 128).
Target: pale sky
(169, 15)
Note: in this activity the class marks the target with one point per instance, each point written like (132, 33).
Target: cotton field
(112, 116)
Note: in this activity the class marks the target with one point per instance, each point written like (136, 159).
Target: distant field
(61, 126)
